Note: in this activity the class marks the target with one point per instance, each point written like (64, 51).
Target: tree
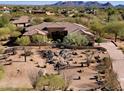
(39, 39)
(110, 12)
(23, 41)
(76, 39)
(97, 27)
(4, 33)
(121, 34)
(12, 27)
(4, 19)
(115, 28)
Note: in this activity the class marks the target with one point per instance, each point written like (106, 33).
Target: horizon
(50, 2)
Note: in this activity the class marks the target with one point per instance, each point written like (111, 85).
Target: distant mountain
(92, 4)
(120, 6)
(69, 3)
(106, 5)
(85, 4)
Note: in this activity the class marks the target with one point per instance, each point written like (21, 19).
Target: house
(37, 11)
(90, 11)
(58, 30)
(50, 13)
(6, 10)
(22, 21)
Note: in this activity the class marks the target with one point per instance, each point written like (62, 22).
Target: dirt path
(117, 59)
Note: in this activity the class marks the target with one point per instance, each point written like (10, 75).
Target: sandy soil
(15, 79)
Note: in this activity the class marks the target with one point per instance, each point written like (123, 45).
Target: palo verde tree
(97, 28)
(23, 41)
(121, 34)
(110, 12)
(115, 28)
(4, 19)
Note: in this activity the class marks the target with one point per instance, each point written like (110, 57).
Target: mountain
(69, 3)
(106, 5)
(92, 4)
(85, 4)
(120, 6)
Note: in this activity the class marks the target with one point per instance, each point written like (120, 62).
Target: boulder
(47, 54)
(74, 53)
(76, 77)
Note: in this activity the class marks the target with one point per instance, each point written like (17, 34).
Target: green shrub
(54, 82)
(39, 38)
(76, 39)
(24, 40)
(99, 40)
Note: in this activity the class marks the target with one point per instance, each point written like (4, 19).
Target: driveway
(117, 59)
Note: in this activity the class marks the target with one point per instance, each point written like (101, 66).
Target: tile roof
(35, 31)
(70, 27)
(22, 19)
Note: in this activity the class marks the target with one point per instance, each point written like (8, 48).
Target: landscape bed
(78, 68)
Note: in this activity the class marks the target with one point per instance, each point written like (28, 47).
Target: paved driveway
(117, 59)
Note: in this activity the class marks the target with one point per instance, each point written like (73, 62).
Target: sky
(49, 2)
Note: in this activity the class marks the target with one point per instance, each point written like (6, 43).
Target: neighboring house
(6, 10)
(58, 30)
(37, 11)
(50, 13)
(22, 21)
(90, 11)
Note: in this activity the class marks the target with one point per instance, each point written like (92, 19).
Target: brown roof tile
(70, 27)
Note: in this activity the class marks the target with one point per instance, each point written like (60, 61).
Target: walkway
(117, 59)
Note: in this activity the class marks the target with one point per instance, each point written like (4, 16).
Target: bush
(99, 40)
(15, 34)
(37, 20)
(1, 72)
(76, 39)
(27, 53)
(2, 50)
(24, 40)
(48, 19)
(54, 82)
(39, 39)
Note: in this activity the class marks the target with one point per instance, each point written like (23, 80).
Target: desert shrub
(111, 82)
(4, 19)
(121, 48)
(37, 20)
(121, 35)
(2, 49)
(99, 40)
(76, 39)
(39, 38)
(4, 33)
(15, 34)
(54, 82)
(27, 53)
(24, 40)
(48, 19)
(1, 72)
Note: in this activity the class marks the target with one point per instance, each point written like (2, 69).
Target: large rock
(47, 54)
(65, 53)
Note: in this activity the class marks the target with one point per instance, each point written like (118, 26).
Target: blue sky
(48, 2)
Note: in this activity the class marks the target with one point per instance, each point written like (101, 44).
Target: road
(117, 60)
